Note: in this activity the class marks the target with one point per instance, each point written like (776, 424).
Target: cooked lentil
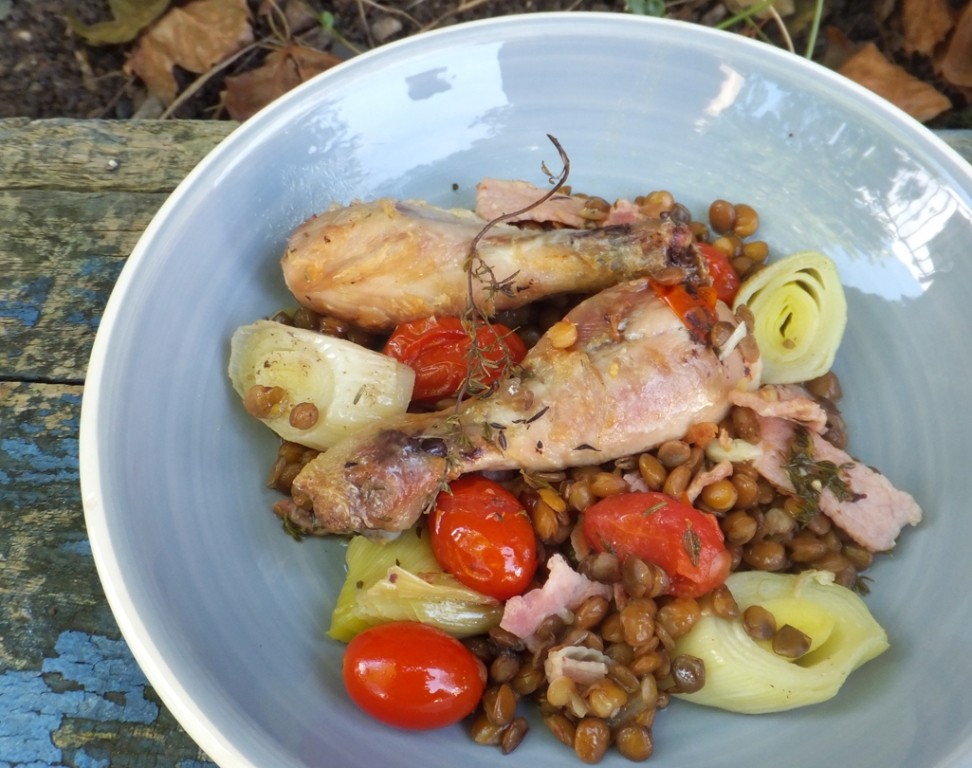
(790, 642)
(722, 216)
(759, 623)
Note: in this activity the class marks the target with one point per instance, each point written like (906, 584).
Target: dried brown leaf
(871, 69)
(838, 49)
(129, 17)
(925, 23)
(195, 36)
(283, 69)
(957, 62)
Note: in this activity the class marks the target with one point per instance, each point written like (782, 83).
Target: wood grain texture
(74, 198)
(96, 155)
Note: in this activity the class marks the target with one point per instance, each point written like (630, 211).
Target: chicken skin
(633, 378)
(377, 264)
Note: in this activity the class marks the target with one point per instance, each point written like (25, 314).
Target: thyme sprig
(811, 477)
(480, 366)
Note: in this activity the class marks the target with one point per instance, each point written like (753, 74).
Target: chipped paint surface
(92, 681)
(71, 694)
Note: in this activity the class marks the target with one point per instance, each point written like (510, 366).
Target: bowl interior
(227, 615)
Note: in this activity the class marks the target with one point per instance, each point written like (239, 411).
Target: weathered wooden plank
(49, 311)
(61, 252)
(72, 224)
(94, 155)
(70, 690)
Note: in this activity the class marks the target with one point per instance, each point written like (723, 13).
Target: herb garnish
(692, 545)
(810, 477)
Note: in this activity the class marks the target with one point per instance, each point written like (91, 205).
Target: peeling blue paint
(42, 461)
(83, 760)
(31, 712)
(80, 547)
(25, 306)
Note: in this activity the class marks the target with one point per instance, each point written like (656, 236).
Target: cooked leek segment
(368, 561)
(314, 389)
(745, 675)
(400, 579)
(431, 598)
(800, 314)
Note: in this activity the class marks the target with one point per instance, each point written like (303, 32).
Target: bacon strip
(876, 511)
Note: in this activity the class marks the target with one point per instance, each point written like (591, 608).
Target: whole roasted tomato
(483, 536)
(437, 349)
(411, 675)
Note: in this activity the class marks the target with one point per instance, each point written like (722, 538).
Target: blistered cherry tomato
(483, 536)
(685, 542)
(437, 349)
(725, 280)
(411, 675)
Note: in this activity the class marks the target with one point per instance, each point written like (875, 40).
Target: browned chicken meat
(633, 378)
(380, 263)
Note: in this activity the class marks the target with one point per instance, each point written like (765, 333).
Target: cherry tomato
(411, 675)
(725, 280)
(437, 349)
(483, 536)
(685, 542)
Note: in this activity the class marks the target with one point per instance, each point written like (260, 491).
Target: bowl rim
(157, 669)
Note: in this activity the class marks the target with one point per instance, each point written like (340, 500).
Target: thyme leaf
(292, 529)
(654, 508)
(692, 545)
(534, 417)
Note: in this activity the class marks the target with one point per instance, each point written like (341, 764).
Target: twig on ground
(205, 77)
(463, 7)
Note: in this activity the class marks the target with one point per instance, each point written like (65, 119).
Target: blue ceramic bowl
(227, 615)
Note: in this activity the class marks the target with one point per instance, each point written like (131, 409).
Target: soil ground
(48, 71)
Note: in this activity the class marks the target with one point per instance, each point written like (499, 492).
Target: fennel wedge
(311, 388)
(400, 580)
(745, 675)
(800, 314)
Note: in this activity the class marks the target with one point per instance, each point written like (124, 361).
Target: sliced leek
(335, 385)
(743, 675)
(800, 313)
(401, 580)
(431, 598)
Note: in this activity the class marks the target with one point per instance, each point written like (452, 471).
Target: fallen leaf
(195, 36)
(838, 49)
(925, 24)
(872, 70)
(129, 17)
(957, 62)
(282, 70)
